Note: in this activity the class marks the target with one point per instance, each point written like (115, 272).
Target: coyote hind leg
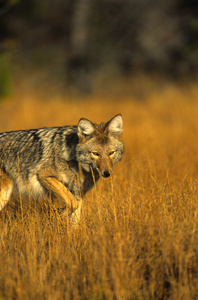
(6, 187)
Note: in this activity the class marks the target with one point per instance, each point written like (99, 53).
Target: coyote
(59, 162)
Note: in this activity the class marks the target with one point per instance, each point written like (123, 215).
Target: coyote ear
(115, 126)
(85, 128)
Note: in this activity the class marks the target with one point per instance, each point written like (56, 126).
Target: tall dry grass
(138, 235)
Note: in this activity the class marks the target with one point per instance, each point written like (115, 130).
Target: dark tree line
(148, 35)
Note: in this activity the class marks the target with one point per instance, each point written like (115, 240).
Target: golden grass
(138, 236)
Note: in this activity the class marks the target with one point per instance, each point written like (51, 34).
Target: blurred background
(82, 47)
(61, 60)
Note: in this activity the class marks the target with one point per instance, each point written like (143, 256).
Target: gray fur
(73, 156)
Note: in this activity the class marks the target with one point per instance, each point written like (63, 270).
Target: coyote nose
(106, 174)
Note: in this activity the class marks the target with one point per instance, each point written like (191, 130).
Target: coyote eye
(111, 153)
(95, 153)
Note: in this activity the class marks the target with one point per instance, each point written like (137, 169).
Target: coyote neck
(87, 179)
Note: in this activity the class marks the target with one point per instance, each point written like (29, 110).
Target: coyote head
(100, 146)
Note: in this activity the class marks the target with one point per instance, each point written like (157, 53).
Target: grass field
(138, 235)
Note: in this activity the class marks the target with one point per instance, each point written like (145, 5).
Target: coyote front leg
(75, 216)
(58, 188)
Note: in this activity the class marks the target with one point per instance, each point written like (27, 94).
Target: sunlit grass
(138, 235)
